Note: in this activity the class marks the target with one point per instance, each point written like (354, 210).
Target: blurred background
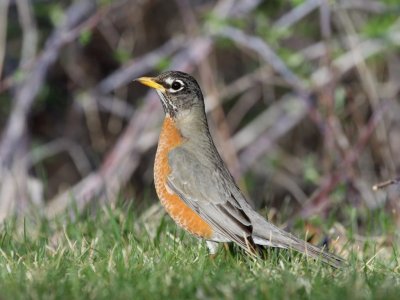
(302, 99)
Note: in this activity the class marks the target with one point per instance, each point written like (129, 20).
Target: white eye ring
(176, 89)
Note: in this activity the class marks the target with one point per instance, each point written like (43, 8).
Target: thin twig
(315, 203)
(385, 184)
(297, 13)
(348, 61)
(138, 66)
(368, 82)
(29, 32)
(57, 146)
(266, 53)
(363, 5)
(29, 88)
(64, 34)
(259, 46)
(3, 31)
(14, 179)
(257, 137)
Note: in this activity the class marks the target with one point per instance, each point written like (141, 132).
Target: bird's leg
(212, 248)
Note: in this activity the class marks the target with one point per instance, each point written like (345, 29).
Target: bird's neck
(194, 135)
(192, 124)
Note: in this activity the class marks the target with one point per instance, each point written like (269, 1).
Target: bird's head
(179, 92)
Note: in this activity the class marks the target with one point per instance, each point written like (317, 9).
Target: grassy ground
(111, 255)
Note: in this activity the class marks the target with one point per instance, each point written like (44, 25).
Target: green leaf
(85, 37)
(163, 64)
(121, 55)
(56, 14)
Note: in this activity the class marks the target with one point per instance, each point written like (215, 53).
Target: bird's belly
(182, 214)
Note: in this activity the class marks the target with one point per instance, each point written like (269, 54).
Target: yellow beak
(151, 83)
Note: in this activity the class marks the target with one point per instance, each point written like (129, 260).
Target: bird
(195, 186)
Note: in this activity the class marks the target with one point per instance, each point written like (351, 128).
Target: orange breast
(183, 215)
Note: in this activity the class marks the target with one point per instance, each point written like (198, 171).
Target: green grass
(110, 255)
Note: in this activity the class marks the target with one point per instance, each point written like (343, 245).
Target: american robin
(194, 185)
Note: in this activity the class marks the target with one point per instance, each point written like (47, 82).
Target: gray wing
(211, 192)
(208, 191)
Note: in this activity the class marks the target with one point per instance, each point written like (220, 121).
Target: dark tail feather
(317, 253)
(288, 241)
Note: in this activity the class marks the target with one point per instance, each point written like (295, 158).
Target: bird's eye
(176, 85)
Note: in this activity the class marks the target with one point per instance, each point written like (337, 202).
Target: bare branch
(257, 137)
(15, 192)
(316, 202)
(29, 88)
(113, 105)
(363, 5)
(3, 31)
(266, 53)
(53, 148)
(297, 13)
(349, 60)
(29, 32)
(138, 66)
(385, 184)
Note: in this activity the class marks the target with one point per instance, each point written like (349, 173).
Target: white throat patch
(165, 102)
